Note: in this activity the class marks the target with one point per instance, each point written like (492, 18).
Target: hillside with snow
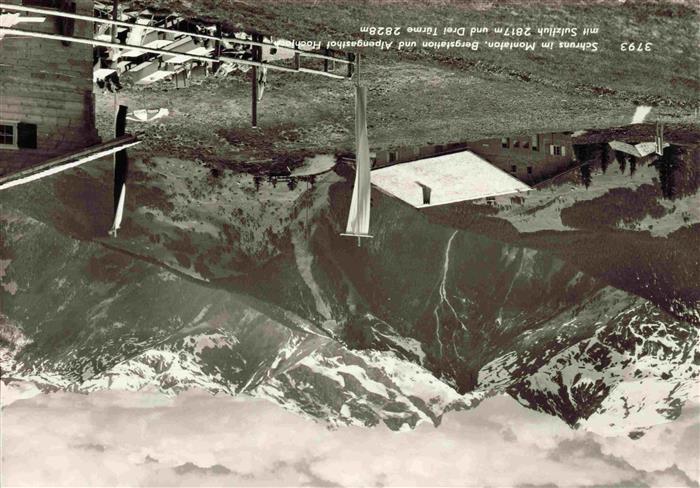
(211, 286)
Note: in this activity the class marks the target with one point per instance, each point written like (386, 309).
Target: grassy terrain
(425, 96)
(671, 67)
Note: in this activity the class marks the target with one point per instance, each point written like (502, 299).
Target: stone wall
(48, 84)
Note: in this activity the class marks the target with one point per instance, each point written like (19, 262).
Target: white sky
(141, 439)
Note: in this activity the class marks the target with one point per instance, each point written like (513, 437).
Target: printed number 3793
(636, 46)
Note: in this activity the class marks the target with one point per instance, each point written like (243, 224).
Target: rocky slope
(424, 319)
(633, 226)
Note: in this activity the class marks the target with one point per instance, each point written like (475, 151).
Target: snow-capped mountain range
(424, 319)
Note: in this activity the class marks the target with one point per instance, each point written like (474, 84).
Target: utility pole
(254, 98)
(297, 57)
(115, 14)
(115, 52)
(217, 51)
(257, 56)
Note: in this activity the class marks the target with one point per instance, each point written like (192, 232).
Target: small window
(516, 143)
(535, 143)
(393, 156)
(526, 145)
(513, 169)
(8, 135)
(555, 150)
(505, 142)
(17, 135)
(529, 170)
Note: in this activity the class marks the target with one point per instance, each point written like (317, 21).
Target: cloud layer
(141, 439)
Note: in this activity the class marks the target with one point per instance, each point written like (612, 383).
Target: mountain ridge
(329, 330)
